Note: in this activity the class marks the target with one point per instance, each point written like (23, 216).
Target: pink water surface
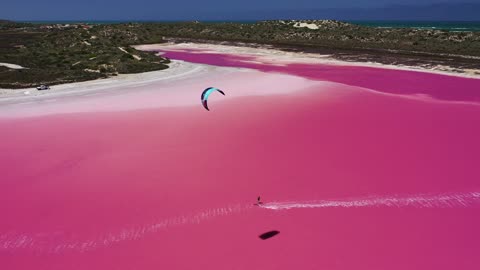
(393, 81)
(100, 181)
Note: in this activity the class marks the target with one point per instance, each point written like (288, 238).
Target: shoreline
(297, 55)
(179, 69)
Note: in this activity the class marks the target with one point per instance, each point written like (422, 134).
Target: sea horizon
(418, 24)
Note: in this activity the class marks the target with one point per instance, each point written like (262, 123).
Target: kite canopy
(206, 93)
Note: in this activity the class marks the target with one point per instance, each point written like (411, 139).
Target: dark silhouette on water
(267, 235)
(259, 202)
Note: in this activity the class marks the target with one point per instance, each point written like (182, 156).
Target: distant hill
(6, 22)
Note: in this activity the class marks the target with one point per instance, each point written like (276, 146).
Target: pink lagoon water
(379, 170)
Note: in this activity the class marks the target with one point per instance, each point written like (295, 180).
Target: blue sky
(231, 9)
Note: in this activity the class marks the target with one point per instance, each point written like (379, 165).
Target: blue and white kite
(206, 93)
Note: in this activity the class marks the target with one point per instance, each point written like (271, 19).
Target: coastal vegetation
(60, 53)
(331, 34)
(457, 51)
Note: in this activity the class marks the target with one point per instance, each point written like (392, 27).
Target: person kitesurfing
(259, 202)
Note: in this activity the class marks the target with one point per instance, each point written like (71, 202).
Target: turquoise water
(443, 25)
(126, 21)
(451, 26)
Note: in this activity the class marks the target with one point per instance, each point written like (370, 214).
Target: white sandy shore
(270, 55)
(180, 85)
(12, 66)
(179, 71)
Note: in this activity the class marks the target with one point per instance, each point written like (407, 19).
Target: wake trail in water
(418, 201)
(58, 242)
(54, 243)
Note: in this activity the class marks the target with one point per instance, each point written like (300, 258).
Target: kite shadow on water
(267, 235)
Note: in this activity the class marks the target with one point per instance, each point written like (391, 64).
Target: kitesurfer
(259, 202)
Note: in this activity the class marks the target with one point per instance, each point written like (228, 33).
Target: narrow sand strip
(12, 66)
(269, 55)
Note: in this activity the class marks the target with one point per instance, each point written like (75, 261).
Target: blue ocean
(440, 25)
